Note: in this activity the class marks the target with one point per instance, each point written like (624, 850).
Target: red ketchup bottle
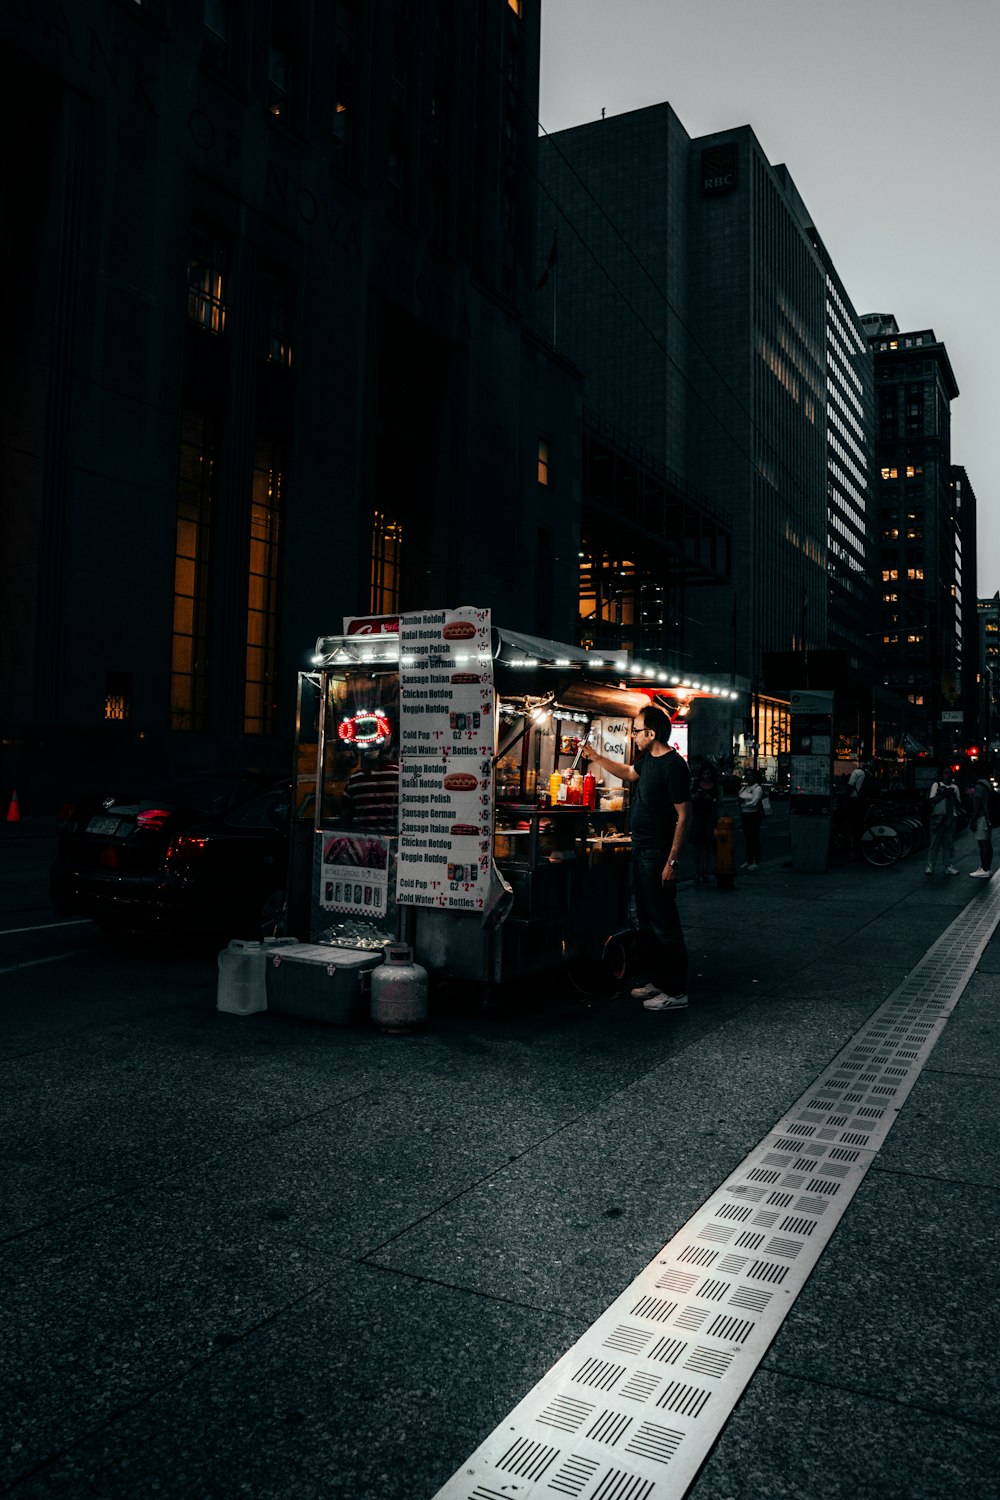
(589, 790)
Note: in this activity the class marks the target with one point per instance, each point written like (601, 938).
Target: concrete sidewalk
(256, 1257)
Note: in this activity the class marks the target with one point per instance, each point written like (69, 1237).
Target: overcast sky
(886, 114)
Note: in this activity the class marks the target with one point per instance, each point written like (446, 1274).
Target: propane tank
(725, 854)
(399, 990)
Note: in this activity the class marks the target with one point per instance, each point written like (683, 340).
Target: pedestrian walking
(661, 810)
(860, 787)
(944, 818)
(706, 794)
(981, 827)
(751, 817)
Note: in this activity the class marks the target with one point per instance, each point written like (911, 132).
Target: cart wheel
(274, 915)
(615, 962)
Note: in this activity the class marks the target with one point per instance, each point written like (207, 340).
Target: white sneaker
(643, 991)
(745, 866)
(659, 1001)
(950, 870)
(751, 867)
(980, 874)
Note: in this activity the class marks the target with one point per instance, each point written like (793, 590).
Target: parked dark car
(203, 853)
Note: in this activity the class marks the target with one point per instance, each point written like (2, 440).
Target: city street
(258, 1257)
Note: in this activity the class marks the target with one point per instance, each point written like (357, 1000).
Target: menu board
(447, 743)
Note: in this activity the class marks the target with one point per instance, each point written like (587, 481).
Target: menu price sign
(354, 875)
(446, 738)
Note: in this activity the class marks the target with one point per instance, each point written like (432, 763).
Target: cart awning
(513, 648)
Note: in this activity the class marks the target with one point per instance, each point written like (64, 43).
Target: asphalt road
(259, 1257)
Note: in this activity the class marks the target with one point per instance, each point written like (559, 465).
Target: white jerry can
(399, 990)
(242, 978)
(243, 975)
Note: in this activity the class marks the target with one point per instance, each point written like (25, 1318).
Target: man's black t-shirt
(663, 781)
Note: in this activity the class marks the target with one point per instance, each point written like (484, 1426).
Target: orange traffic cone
(13, 811)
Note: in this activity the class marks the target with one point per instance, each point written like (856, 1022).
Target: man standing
(982, 828)
(661, 807)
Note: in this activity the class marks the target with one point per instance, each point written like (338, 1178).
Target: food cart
(443, 799)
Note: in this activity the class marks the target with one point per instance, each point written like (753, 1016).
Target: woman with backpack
(944, 816)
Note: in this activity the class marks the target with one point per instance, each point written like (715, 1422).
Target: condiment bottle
(555, 787)
(589, 790)
(574, 792)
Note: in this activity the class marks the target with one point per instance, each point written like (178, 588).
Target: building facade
(270, 361)
(926, 536)
(710, 325)
(988, 676)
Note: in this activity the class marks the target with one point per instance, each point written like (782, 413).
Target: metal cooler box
(319, 983)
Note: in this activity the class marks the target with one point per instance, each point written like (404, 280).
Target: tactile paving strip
(632, 1409)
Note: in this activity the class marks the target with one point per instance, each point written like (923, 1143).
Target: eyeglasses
(642, 731)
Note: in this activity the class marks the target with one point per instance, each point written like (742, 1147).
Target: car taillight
(153, 818)
(185, 847)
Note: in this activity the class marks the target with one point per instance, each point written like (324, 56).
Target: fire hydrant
(725, 854)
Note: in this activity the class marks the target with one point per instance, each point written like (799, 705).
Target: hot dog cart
(442, 798)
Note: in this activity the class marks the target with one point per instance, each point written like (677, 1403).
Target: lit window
(543, 461)
(891, 534)
(890, 598)
(916, 575)
(890, 575)
(206, 280)
(387, 548)
(517, 6)
(262, 592)
(890, 473)
(118, 695)
(915, 638)
(196, 482)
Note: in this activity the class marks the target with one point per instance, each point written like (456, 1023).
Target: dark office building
(851, 541)
(927, 534)
(710, 324)
(269, 360)
(988, 676)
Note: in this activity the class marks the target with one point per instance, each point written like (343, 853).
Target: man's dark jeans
(653, 915)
